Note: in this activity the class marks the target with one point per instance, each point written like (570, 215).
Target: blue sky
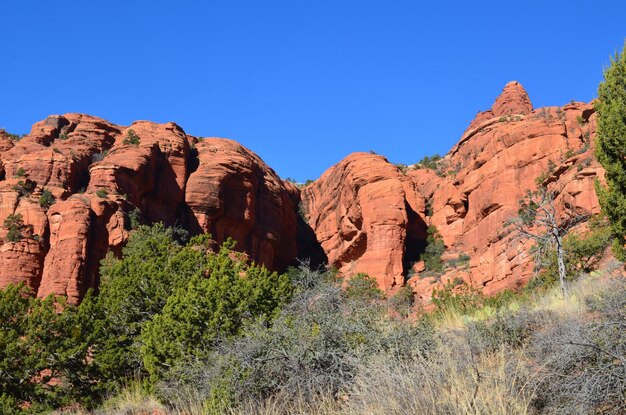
(301, 83)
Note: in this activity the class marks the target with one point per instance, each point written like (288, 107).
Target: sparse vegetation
(14, 225)
(433, 251)
(19, 173)
(429, 162)
(24, 188)
(131, 138)
(46, 199)
(102, 193)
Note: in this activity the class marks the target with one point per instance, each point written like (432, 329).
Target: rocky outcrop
(97, 172)
(370, 217)
(234, 194)
(360, 213)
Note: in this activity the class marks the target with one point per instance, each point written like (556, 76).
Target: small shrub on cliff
(14, 225)
(20, 173)
(102, 193)
(46, 199)
(131, 138)
(24, 188)
(433, 251)
(429, 162)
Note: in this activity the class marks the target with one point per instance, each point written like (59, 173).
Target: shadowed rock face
(370, 217)
(98, 172)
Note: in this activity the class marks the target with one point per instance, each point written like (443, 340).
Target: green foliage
(39, 344)
(611, 148)
(543, 176)
(457, 295)
(202, 310)
(433, 251)
(430, 162)
(131, 138)
(20, 173)
(134, 218)
(163, 301)
(15, 226)
(527, 210)
(364, 288)
(402, 167)
(102, 193)
(24, 188)
(582, 252)
(46, 199)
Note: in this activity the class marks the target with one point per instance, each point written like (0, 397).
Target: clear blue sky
(301, 83)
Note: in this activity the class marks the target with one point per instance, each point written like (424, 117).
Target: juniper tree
(611, 148)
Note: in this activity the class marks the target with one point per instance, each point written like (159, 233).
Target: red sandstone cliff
(372, 217)
(362, 215)
(99, 172)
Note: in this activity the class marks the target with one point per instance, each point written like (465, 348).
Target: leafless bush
(584, 359)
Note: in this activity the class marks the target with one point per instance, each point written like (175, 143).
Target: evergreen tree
(611, 148)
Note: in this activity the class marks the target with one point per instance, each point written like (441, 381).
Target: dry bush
(583, 358)
(452, 381)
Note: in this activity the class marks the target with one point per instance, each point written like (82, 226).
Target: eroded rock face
(359, 211)
(98, 172)
(369, 217)
(233, 193)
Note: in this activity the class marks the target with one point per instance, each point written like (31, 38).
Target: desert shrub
(15, 227)
(20, 173)
(312, 349)
(433, 251)
(131, 138)
(363, 287)
(449, 380)
(102, 193)
(203, 309)
(46, 199)
(24, 188)
(583, 362)
(459, 296)
(429, 162)
(511, 328)
(164, 300)
(134, 218)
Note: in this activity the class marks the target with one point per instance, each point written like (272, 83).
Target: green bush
(15, 226)
(39, 344)
(24, 187)
(131, 138)
(430, 162)
(20, 173)
(433, 251)
(102, 193)
(46, 199)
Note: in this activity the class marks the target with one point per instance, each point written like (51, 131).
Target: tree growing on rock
(539, 221)
(611, 148)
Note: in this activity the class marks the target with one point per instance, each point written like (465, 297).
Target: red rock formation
(233, 193)
(371, 218)
(148, 166)
(360, 215)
